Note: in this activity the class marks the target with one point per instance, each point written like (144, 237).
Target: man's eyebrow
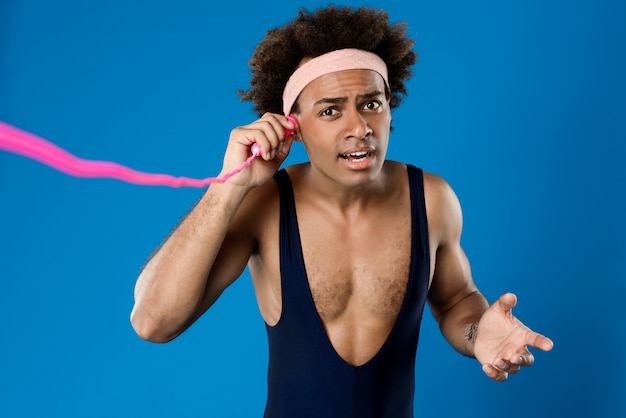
(331, 100)
(372, 94)
(336, 100)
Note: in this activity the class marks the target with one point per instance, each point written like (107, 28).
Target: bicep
(452, 277)
(230, 263)
(452, 280)
(250, 225)
(235, 251)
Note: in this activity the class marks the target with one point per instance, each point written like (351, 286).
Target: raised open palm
(502, 341)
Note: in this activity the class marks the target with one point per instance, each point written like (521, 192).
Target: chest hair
(358, 269)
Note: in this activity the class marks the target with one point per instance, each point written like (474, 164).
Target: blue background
(520, 105)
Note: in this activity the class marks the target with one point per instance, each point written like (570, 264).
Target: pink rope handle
(31, 146)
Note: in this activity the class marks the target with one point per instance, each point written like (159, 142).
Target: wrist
(470, 332)
(222, 198)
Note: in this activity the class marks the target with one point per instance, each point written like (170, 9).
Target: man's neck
(347, 198)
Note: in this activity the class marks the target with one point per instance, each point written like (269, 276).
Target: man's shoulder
(267, 195)
(442, 206)
(435, 182)
(437, 189)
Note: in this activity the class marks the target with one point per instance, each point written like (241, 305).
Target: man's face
(344, 123)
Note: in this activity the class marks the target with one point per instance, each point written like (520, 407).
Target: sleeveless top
(306, 376)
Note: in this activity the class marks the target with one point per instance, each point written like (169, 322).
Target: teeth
(356, 154)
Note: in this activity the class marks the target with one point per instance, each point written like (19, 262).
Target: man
(344, 250)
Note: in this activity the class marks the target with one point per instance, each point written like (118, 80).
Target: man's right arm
(212, 245)
(194, 265)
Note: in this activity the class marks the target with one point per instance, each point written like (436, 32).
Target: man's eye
(373, 105)
(328, 112)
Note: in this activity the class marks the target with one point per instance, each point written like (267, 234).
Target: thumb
(506, 302)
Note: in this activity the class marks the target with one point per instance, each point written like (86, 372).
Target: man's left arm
(491, 334)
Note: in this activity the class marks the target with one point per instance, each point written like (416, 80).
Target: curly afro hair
(327, 29)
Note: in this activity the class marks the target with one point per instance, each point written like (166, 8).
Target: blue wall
(518, 104)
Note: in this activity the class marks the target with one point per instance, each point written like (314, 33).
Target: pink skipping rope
(31, 146)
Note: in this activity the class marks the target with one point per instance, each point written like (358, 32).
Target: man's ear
(296, 134)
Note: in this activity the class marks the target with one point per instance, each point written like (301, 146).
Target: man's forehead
(311, 69)
(345, 84)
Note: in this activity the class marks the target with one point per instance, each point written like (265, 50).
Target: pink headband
(338, 60)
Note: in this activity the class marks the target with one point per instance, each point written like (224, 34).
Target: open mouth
(356, 156)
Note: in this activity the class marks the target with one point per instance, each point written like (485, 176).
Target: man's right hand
(269, 133)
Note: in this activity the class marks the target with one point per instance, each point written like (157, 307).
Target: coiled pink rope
(31, 146)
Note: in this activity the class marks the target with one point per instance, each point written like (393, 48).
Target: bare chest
(360, 269)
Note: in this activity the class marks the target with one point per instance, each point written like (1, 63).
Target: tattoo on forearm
(470, 332)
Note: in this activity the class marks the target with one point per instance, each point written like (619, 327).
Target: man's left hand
(501, 342)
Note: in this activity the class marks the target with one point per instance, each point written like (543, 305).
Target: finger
(273, 132)
(508, 361)
(514, 369)
(494, 373)
(252, 134)
(284, 148)
(261, 132)
(539, 341)
(276, 129)
(502, 364)
(281, 125)
(523, 360)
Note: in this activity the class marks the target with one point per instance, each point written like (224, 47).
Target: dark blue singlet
(307, 378)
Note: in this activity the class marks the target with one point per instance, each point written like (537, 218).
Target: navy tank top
(306, 376)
